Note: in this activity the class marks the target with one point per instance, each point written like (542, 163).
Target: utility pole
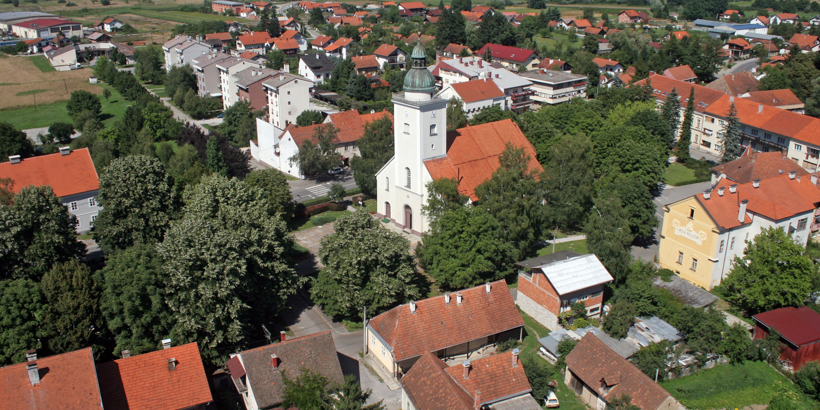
(364, 329)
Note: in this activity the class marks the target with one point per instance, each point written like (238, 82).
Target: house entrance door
(408, 217)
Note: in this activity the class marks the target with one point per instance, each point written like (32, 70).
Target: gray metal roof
(687, 292)
(249, 76)
(622, 348)
(208, 59)
(546, 259)
(283, 78)
(576, 273)
(652, 330)
(525, 402)
(16, 15)
(551, 76)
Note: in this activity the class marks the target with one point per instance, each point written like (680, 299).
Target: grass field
(46, 114)
(42, 63)
(315, 220)
(677, 174)
(558, 38)
(21, 75)
(728, 386)
(576, 246)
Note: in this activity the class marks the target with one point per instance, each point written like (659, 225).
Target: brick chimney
(477, 402)
(33, 372)
(274, 360)
(515, 357)
(466, 366)
(283, 336)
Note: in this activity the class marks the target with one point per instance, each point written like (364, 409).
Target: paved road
(745, 65)
(668, 196)
(307, 189)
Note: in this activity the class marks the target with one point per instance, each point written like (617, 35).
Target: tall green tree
(813, 102)
(442, 195)
(375, 148)
(515, 197)
(620, 317)
(312, 390)
(686, 128)
(133, 299)
(214, 158)
(569, 186)
(21, 309)
(456, 118)
(81, 101)
(309, 117)
(461, 5)
(138, 203)
(316, 18)
(275, 186)
(157, 119)
(772, 273)
(316, 158)
(494, 28)
(37, 233)
(366, 265)
(671, 113)
(609, 235)
(451, 28)
(149, 64)
(180, 78)
(239, 123)
(638, 205)
(730, 141)
(216, 258)
(14, 142)
(72, 314)
(736, 343)
(651, 360)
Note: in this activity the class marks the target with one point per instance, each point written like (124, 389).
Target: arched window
(408, 177)
(386, 183)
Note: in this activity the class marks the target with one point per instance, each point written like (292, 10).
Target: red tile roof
(775, 98)
(603, 62)
(799, 326)
(429, 386)
(473, 151)
(67, 381)
(804, 41)
(775, 198)
(413, 5)
(740, 42)
(285, 44)
(477, 90)
(341, 42)
(289, 34)
(735, 84)
(254, 38)
(664, 85)
(456, 49)
(681, 72)
(471, 17)
(494, 376)
(581, 23)
(435, 326)
(108, 20)
(551, 64)
(596, 364)
(385, 50)
(768, 118)
(754, 165)
(414, 38)
(365, 62)
(145, 381)
(763, 19)
(351, 124)
(515, 54)
(219, 36)
(680, 34)
(787, 16)
(321, 41)
(65, 174)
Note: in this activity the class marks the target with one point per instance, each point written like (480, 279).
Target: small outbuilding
(799, 330)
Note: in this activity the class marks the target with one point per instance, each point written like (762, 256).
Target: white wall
(86, 210)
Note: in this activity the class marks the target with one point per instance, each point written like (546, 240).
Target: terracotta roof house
(412, 39)
(726, 15)
(738, 48)
(581, 24)
(448, 326)
(754, 165)
(510, 57)
(287, 46)
(472, 17)
(595, 31)
(63, 381)
(554, 64)
(680, 34)
(70, 174)
(456, 50)
(322, 41)
(295, 36)
(225, 38)
(256, 41)
(799, 330)
(735, 84)
(632, 17)
(482, 9)
(366, 64)
(415, 8)
(171, 378)
(389, 54)
(597, 374)
(608, 66)
(346, 21)
(783, 99)
(339, 48)
(258, 374)
(806, 42)
(762, 20)
(549, 285)
(681, 73)
(494, 382)
(476, 95)
(781, 18)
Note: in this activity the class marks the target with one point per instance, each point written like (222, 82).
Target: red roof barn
(799, 330)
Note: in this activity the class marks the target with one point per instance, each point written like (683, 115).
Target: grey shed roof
(547, 259)
(621, 347)
(577, 273)
(14, 15)
(687, 292)
(317, 62)
(315, 352)
(652, 330)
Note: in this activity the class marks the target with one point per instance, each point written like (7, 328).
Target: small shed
(799, 330)
(92, 80)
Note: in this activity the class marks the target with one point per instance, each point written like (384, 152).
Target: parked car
(336, 171)
(551, 401)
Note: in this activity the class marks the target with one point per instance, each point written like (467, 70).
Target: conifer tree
(730, 146)
(686, 128)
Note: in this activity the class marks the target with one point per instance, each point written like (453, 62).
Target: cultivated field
(24, 84)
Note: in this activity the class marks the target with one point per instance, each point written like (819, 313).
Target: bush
(666, 275)
(353, 326)
(510, 344)
(323, 219)
(337, 207)
(70, 4)
(317, 209)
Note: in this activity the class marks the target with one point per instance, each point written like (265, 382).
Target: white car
(336, 170)
(551, 401)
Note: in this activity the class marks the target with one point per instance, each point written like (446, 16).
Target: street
(745, 65)
(307, 189)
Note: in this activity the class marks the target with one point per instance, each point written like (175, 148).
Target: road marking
(319, 190)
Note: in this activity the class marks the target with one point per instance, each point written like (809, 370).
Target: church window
(408, 177)
(433, 130)
(386, 183)
(406, 128)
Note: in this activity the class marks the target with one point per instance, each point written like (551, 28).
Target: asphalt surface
(745, 65)
(307, 189)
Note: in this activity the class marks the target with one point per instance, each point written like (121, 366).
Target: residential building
(555, 87)
(754, 165)
(61, 381)
(249, 86)
(632, 17)
(762, 20)
(389, 54)
(168, 379)
(475, 95)
(806, 43)
(608, 66)
(222, 6)
(46, 28)
(549, 285)
(10, 18)
(225, 38)
(227, 68)
(781, 18)
(458, 70)
(456, 50)
(681, 73)
(345, 21)
(99, 37)
(296, 36)
(88, 52)
(127, 51)
(701, 235)
(181, 50)
(735, 84)
(447, 326)
(549, 343)
(738, 48)
(799, 330)
(783, 99)
(110, 24)
(510, 57)
(321, 41)
(290, 47)
(288, 96)
(315, 67)
(62, 59)
(366, 64)
(554, 65)
(253, 57)
(597, 374)
(207, 74)
(339, 48)
(415, 8)
(493, 382)
(275, 146)
(289, 23)
(256, 41)
(726, 15)
(70, 174)
(581, 24)
(259, 374)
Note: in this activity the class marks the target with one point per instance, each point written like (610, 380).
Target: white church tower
(419, 134)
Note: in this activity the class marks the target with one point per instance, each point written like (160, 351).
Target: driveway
(745, 65)
(307, 189)
(668, 195)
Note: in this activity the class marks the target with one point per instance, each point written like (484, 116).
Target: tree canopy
(275, 186)
(376, 148)
(316, 158)
(72, 314)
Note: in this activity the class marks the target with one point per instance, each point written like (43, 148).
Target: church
(425, 151)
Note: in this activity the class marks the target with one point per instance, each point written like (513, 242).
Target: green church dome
(418, 78)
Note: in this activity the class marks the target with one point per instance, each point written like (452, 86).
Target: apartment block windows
(92, 201)
(798, 147)
(754, 132)
(801, 224)
(781, 140)
(694, 264)
(767, 135)
(732, 244)
(680, 258)
(722, 243)
(73, 206)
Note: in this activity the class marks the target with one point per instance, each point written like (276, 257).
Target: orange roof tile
(249, 55)
(435, 325)
(254, 38)
(351, 124)
(581, 23)
(662, 86)
(804, 41)
(473, 151)
(365, 62)
(289, 34)
(763, 19)
(219, 36)
(680, 34)
(413, 5)
(551, 64)
(603, 62)
(385, 50)
(455, 49)
(735, 84)
(754, 165)
(768, 118)
(787, 16)
(321, 41)
(740, 42)
(775, 98)
(145, 381)
(429, 386)
(494, 376)
(341, 42)
(477, 90)
(66, 174)
(681, 72)
(285, 44)
(67, 381)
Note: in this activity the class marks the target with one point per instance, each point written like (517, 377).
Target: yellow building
(701, 235)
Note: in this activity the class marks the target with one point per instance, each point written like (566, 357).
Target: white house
(476, 95)
(110, 24)
(339, 48)
(296, 36)
(315, 67)
(288, 96)
(62, 59)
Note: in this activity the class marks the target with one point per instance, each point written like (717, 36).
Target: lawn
(316, 220)
(42, 63)
(183, 16)
(558, 38)
(677, 174)
(370, 205)
(728, 386)
(575, 246)
(46, 114)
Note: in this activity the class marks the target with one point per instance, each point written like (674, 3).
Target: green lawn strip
(174, 145)
(43, 115)
(728, 386)
(575, 246)
(677, 174)
(370, 205)
(183, 16)
(42, 63)
(114, 107)
(30, 92)
(316, 220)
